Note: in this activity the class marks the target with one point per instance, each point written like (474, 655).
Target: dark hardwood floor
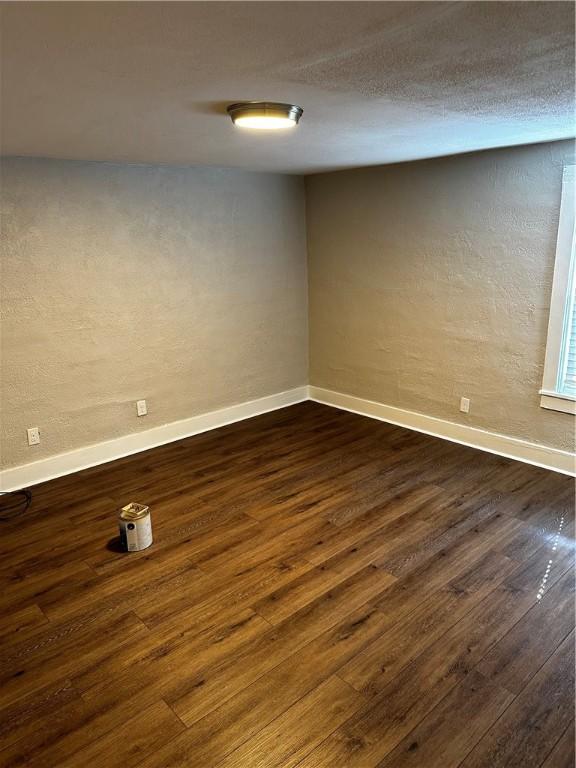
(324, 590)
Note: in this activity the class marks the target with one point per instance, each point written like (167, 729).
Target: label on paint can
(135, 527)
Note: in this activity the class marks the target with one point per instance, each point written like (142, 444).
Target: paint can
(135, 527)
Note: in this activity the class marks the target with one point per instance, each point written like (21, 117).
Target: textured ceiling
(380, 82)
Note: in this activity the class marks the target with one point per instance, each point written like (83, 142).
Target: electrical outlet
(33, 435)
(141, 408)
(464, 405)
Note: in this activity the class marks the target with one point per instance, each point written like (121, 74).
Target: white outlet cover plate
(33, 436)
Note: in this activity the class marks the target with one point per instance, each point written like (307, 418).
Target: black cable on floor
(14, 503)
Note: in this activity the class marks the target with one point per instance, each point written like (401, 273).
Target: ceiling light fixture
(264, 115)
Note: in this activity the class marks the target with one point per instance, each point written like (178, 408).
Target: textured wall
(186, 287)
(432, 280)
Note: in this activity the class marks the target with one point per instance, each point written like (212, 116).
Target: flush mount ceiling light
(264, 115)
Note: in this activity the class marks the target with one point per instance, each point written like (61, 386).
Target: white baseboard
(502, 445)
(92, 455)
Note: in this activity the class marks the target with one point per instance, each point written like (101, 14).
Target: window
(559, 384)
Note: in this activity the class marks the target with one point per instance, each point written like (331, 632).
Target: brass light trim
(264, 115)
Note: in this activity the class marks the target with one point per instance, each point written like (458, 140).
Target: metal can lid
(133, 511)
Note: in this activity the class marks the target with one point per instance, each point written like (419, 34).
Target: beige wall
(430, 281)
(186, 287)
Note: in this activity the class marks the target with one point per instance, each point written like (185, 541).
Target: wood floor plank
(530, 728)
(263, 546)
(205, 690)
(371, 669)
(448, 734)
(23, 590)
(290, 737)
(373, 548)
(21, 623)
(33, 665)
(337, 539)
(130, 741)
(287, 600)
(21, 718)
(461, 555)
(521, 653)
(564, 753)
(323, 590)
(255, 706)
(408, 557)
(136, 585)
(57, 736)
(200, 602)
(157, 655)
(413, 693)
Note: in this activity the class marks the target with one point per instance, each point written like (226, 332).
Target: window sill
(556, 402)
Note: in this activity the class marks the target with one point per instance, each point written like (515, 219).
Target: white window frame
(564, 267)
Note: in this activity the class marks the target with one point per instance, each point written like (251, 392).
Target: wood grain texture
(563, 755)
(324, 591)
